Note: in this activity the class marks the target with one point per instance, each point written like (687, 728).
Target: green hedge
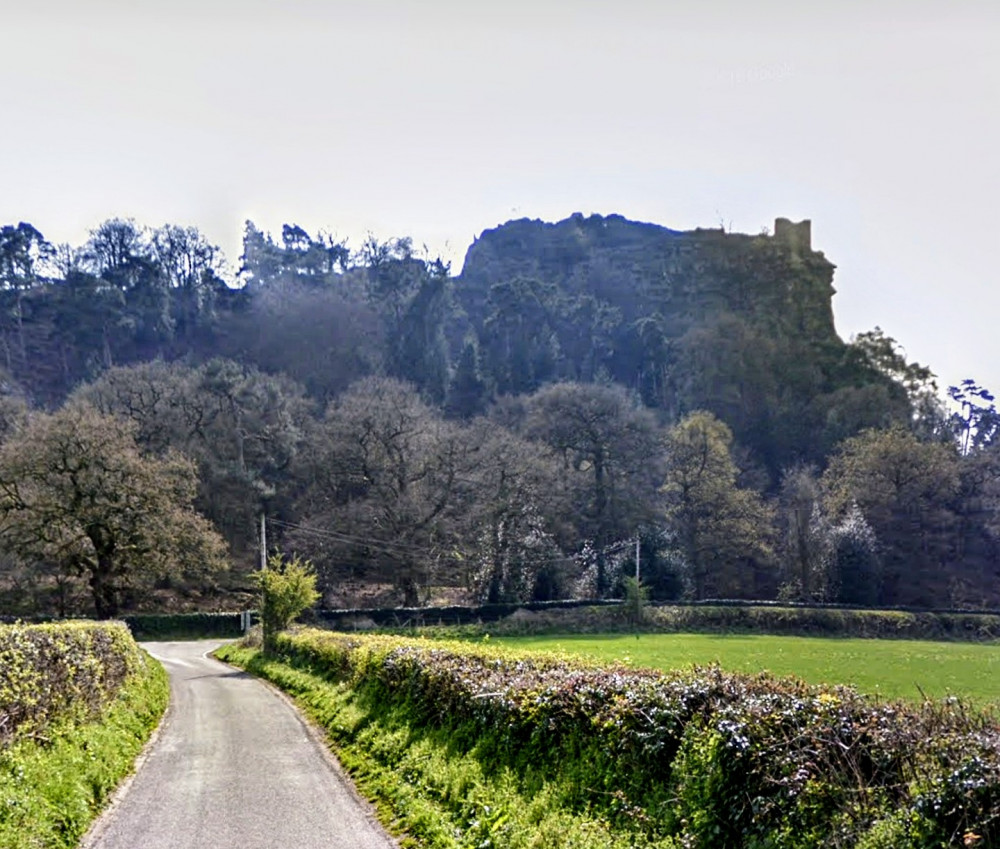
(53, 783)
(760, 619)
(57, 672)
(700, 757)
(175, 626)
(889, 624)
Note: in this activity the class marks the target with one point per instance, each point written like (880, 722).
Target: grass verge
(434, 786)
(52, 786)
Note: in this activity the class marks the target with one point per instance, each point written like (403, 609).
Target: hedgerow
(757, 619)
(713, 759)
(179, 626)
(79, 702)
(56, 672)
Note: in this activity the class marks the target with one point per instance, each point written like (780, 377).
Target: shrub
(287, 588)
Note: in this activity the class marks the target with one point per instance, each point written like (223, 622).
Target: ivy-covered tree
(804, 543)
(514, 505)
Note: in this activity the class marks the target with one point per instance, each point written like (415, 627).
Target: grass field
(887, 668)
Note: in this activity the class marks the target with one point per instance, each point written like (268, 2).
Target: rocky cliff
(777, 281)
(738, 324)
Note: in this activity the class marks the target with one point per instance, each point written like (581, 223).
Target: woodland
(581, 391)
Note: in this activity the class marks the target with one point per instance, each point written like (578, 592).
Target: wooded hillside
(502, 434)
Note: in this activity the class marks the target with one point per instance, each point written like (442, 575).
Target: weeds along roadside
(78, 701)
(471, 745)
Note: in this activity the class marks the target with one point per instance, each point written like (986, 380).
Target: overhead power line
(399, 548)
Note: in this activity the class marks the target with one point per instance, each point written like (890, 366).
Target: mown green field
(887, 668)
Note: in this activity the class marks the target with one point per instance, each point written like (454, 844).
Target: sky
(437, 119)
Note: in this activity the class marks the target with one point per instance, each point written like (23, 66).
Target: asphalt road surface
(233, 767)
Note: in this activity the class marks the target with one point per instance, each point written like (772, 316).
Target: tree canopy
(905, 489)
(504, 433)
(76, 492)
(723, 530)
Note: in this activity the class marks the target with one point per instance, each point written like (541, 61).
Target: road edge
(323, 741)
(103, 819)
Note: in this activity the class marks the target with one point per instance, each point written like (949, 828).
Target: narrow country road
(234, 767)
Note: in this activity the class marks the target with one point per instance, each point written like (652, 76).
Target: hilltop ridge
(693, 272)
(738, 324)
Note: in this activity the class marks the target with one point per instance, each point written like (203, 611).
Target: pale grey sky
(880, 121)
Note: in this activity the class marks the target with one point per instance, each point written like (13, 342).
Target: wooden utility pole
(263, 541)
